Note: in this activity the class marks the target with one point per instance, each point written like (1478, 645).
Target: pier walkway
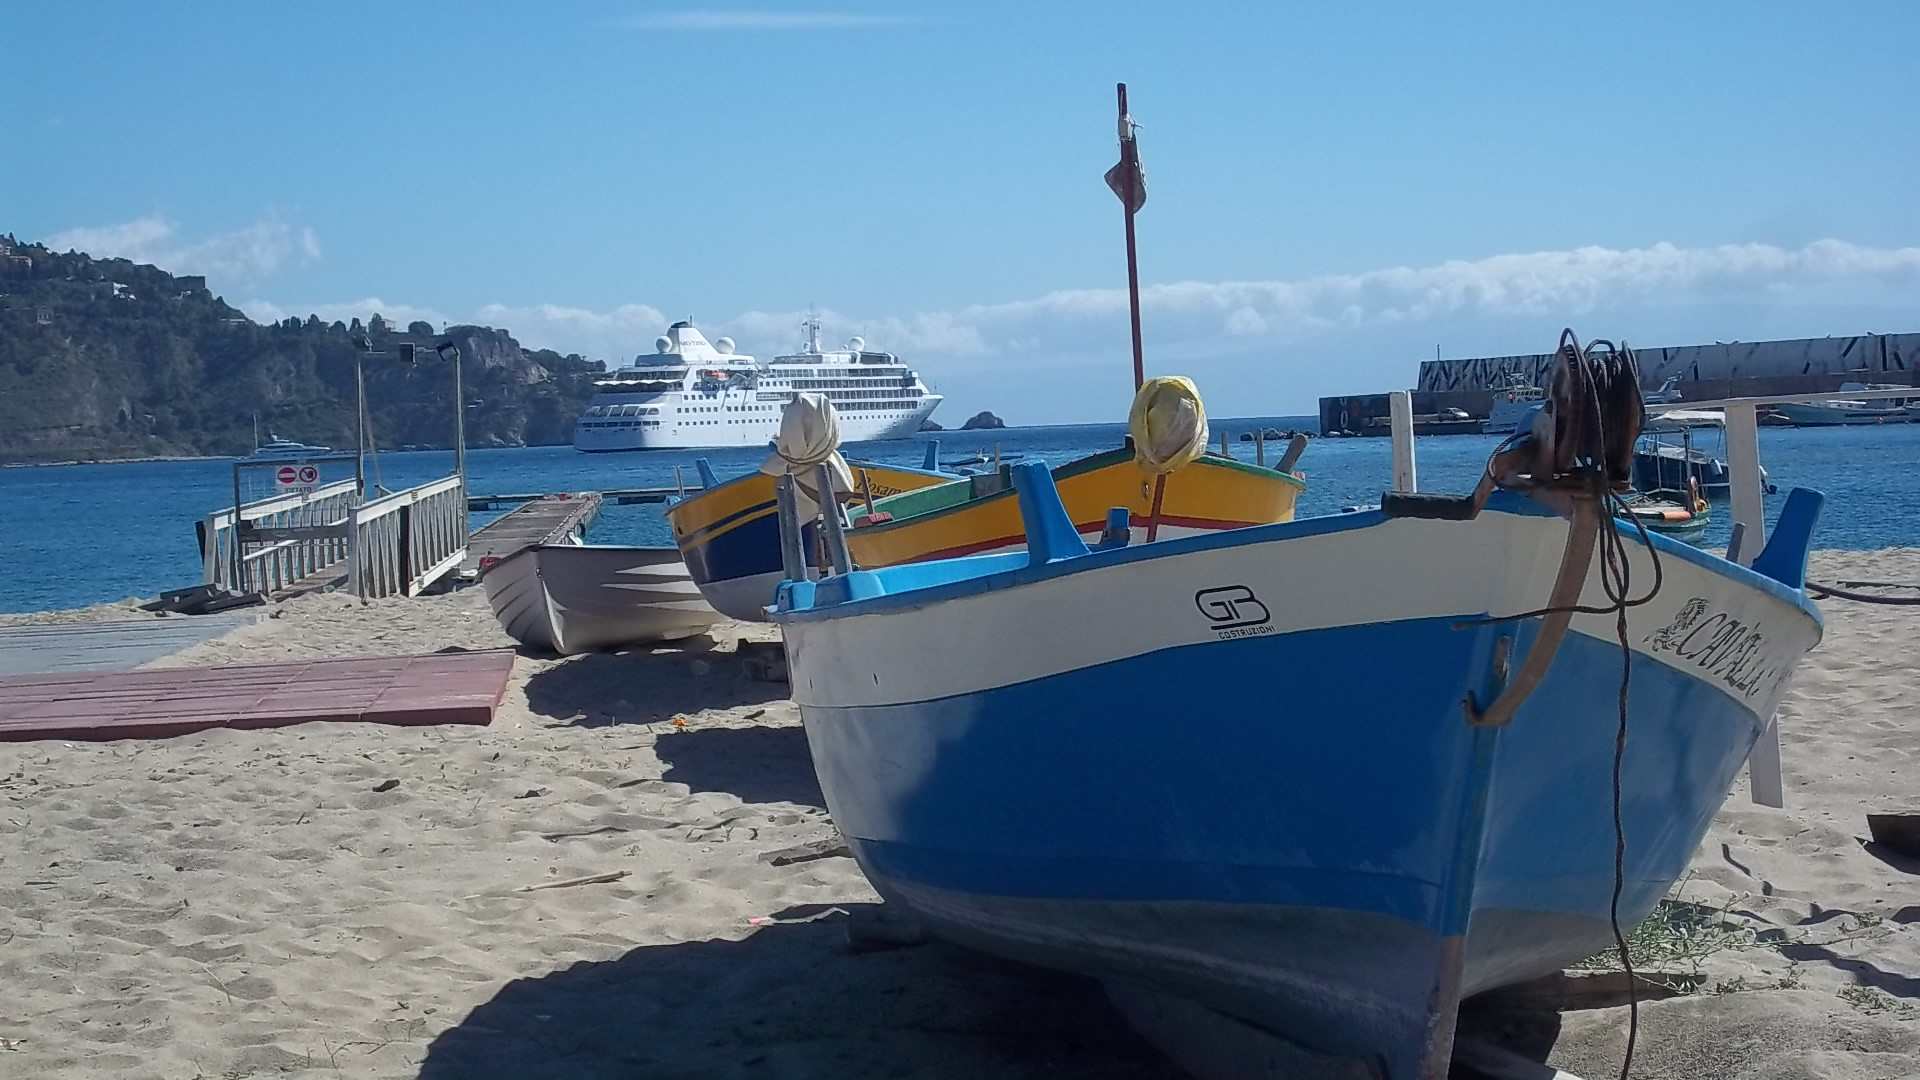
(545, 519)
(621, 497)
(118, 645)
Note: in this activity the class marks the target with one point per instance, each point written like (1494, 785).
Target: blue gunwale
(867, 592)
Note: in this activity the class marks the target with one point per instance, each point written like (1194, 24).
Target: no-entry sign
(296, 476)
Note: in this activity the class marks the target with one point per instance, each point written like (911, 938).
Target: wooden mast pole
(1127, 181)
(1131, 197)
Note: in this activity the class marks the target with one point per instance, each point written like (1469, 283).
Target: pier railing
(401, 543)
(271, 543)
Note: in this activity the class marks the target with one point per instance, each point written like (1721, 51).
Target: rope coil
(1577, 454)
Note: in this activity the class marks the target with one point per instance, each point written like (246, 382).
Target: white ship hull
(692, 395)
(755, 431)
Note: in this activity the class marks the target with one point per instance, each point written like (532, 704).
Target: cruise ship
(694, 395)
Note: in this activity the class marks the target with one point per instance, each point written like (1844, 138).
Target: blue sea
(73, 535)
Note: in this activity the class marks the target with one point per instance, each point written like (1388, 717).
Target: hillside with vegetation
(104, 359)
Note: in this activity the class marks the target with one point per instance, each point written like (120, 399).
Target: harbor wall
(1861, 358)
(1706, 373)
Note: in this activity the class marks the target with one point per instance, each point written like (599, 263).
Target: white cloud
(242, 257)
(1194, 319)
(764, 20)
(1246, 322)
(600, 334)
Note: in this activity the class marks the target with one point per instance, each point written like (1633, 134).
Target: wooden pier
(620, 497)
(399, 544)
(540, 519)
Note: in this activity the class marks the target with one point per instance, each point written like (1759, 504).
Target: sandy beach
(595, 886)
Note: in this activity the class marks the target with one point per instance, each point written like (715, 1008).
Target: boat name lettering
(1731, 650)
(1233, 611)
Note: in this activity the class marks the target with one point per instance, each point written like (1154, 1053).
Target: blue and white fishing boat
(1325, 777)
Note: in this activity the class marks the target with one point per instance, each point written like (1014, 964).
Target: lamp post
(451, 353)
(362, 345)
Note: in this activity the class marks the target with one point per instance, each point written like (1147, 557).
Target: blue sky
(1334, 190)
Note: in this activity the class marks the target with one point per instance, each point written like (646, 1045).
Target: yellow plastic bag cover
(809, 436)
(1168, 424)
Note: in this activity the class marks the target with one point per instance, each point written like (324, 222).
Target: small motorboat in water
(575, 598)
(1679, 515)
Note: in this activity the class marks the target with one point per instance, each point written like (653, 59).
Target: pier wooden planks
(547, 520)
(439, 688)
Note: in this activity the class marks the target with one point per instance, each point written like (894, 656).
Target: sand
(272, 903)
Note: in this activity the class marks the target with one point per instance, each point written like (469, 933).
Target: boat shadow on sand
(794, 1000)
(650, 684)
(750, 744)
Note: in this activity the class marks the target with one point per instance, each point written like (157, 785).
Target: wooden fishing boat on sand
(728, 533)
(578, 598)
(1178, 490)
(1101, 774)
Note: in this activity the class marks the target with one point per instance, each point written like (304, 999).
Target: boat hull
(1209, 495)
(1840, 414)
(729, 535)
(1238, 770)
(1669, 468)
(576, 598)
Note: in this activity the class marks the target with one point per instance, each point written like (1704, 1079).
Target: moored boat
(728, 533)
(578, 598)
(1847, 413)
(1514, 395)
(1102, 774)
(1205, 492)
(1660, 465)
(1678, 515)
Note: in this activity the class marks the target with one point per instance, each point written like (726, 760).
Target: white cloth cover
(809, 436)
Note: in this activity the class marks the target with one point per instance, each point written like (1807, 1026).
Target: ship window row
(622, 410)
(620, 423)
(852, 384)
(856, 395)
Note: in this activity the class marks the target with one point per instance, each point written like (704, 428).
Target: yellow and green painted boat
(729, 533)
(981, 514)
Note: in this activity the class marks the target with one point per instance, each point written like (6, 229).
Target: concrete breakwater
(1704, 373)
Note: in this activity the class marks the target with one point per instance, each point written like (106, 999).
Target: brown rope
(1821, 591)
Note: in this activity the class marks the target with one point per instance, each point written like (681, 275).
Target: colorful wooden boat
(729, 533)
(981, 514)
(1311, 776)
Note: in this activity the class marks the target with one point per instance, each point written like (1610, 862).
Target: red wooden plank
(437, 688)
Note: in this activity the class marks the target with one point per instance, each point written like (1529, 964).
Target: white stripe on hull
(1396, 570)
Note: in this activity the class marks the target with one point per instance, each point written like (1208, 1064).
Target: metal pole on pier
(359, 424)
(451, 352)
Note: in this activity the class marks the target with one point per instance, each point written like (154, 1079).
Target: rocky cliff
(105, 358)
